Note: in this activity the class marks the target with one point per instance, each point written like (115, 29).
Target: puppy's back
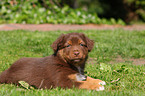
(22, 69)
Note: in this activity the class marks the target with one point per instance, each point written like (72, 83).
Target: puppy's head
(73, 47)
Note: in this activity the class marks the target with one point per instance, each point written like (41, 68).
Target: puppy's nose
(76, 53)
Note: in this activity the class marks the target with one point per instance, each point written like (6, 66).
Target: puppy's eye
(81, 44)
(68, 45)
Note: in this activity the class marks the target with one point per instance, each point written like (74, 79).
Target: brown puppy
(65, 68)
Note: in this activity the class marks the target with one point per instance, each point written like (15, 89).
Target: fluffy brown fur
(58, 70)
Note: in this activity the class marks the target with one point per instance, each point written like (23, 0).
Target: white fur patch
(80, 77)
(102, 83)
(100, 88)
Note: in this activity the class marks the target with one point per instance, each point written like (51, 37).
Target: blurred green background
(72, 11)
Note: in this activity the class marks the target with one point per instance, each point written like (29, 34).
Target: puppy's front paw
(102, 83)
(96, 81)
(100, 88)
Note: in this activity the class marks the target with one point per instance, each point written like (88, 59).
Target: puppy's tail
(3, 76)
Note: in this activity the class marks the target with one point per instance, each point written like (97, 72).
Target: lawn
(123, 79)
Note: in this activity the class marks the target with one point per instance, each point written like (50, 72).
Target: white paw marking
(102, 83)
(100, 88)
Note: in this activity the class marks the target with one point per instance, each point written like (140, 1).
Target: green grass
(108, 45)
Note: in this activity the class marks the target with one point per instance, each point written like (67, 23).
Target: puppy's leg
(80, 77)
(90, 83)
(95, 81)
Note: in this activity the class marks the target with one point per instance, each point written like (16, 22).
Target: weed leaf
(105, 67)
(24, 84)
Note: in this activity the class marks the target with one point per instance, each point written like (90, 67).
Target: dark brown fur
(56, 70)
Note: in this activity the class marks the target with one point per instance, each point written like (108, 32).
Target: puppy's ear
(89, 42)
(57, 44)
